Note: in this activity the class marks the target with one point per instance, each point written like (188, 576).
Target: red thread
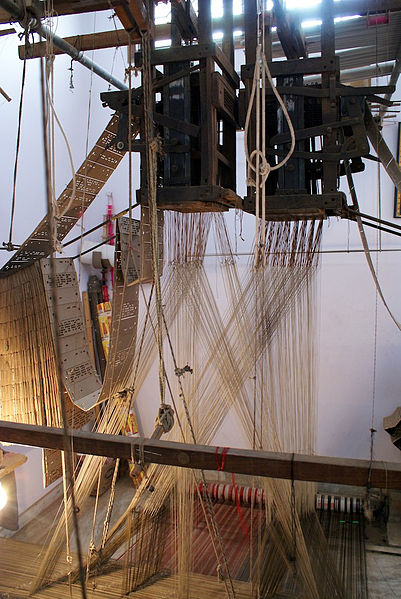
(221, 464)
(239, 510)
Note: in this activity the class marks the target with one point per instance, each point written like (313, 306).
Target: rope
(63, 133)
(92, 547)
(88, 122)
(52, 238)
(209, 514)
(10, 237)
(152, 147)
(257, 162)
(365, 244)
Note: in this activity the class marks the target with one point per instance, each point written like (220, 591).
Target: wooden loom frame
(363, 473)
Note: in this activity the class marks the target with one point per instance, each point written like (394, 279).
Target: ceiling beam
(341, 9)
(133, 16)
(289, 31)
(242, 461)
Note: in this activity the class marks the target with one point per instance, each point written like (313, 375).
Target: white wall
(347, 293)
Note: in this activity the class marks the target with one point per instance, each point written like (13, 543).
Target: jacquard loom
(200, 519)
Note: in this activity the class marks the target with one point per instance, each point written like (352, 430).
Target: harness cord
(152, 149)
(10, 237)
(365, 244)
(257, 162)
(52, 233)
(63, 133)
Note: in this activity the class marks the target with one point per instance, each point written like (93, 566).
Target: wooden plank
(90, 41)
(307, 66)
(93, 41)
(386, 475)
(191, 53)
(329, 105)
(133, 15)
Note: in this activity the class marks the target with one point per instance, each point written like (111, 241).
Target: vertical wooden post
(251, 40)
(177, 104)
(208, 120)
(228, 25)
(329, 105)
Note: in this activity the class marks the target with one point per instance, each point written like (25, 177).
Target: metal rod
(36, 25)
(379, 228)
(345, 251)
(375, 219)
(94, 247)
(5, 94)
(109, 220)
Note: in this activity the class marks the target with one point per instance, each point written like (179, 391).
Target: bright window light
(217, 9)
(218, 35)
(297, 4)
(311, 23)
(237, 7)
(3, 497)
(341, 19)
(162, 43)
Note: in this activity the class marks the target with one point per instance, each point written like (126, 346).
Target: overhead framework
(198, 106)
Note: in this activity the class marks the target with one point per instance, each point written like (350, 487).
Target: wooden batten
(288, 466)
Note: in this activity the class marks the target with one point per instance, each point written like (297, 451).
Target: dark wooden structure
(198, 108)
(242, 461)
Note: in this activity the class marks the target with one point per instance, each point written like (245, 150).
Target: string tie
(221, 463)
(181, 371)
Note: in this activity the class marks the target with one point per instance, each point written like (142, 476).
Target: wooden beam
(90, 41)
(386, 475)
(73, 7)
(133, 16)
(341, 9)
(289, 31)
(93, 41)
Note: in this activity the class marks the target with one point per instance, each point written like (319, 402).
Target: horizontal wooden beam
(73, 7)
(340, 9)
(243, 461)
(93, 41)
